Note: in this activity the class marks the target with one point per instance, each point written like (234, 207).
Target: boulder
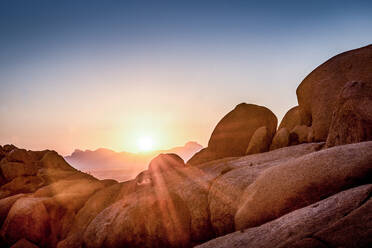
(260, 141)
(302, 181)
(300, 134)
(6, 204)
(296, 116)
(203, 156)
(318, 92)
(281, 139)
(28, 218)
(152, 219)
(93, 206)
(354, 230)
(227, 189)
(11, 170)
(352, 117)
(165, 162)
(301, 225)
(233, 133)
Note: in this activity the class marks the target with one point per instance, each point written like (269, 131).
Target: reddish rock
(260, 141)
(352, 117)
(281, 139)
(318, 92)
(296, 116)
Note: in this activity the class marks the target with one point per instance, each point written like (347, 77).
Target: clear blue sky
(88, 74)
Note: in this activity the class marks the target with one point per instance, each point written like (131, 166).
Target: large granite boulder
(321, 223)
(226, 190)
(232, 134)
(281, 139)
(318, 92)
(260, 141)
(296, 116)
(352, 117)
(302, 181)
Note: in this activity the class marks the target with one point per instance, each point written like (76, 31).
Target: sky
(90, 74)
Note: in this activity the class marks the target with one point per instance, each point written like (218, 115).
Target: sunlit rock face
(318, 92)
(231, 136)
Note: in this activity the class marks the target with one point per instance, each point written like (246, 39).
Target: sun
(145, 143)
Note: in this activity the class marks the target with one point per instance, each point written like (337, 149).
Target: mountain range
(108, 164)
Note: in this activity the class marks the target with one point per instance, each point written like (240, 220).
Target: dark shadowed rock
(24, 243)
(352, 117)
(260, 141)
(23, 184)
(300, 224)
(301, 134)
(296, 116)
(20, 155)
(232, 134)
(302, 181)
(318, 92)
(11, 170)
(281, 139)
(28, 218)
(6, 204)
(354, 230)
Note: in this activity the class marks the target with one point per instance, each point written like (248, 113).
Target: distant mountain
(107, 164)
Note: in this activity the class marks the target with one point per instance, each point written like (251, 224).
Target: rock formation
(257, 186)
(318, 92)
(231, 136)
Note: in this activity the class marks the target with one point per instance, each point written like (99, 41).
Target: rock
(93, 206)
(227, 189)
(260, 141)
(23, 184)
(352, 117)
(6, 204)
(11, 170)
(20, 155)
(318, 92)
(153, 219)
(233, 133)
(300, 134)
(296, 116)
(203, 156)
(7, 148)
(300, 224)
(302, 181)
(28, 218)
(281, 139)
(164, 162)
(354, 230)
(24, 243)
(54, 161)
